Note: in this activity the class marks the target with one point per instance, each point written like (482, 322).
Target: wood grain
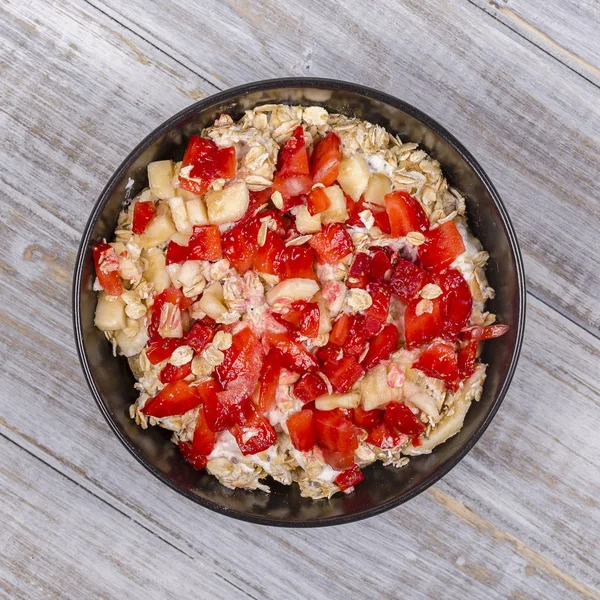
(83, 83)
(567, 30)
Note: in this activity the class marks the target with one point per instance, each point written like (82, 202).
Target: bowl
(111, 381)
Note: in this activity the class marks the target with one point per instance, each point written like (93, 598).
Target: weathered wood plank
(567, 30)
(524, 115)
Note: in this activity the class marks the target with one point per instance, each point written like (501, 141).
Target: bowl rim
(327, 85)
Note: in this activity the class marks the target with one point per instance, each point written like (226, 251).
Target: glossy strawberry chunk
(198, 461)
(257, 201)
(381, 346)
(382, 219)
(483, 333)
(419, 329)
(332, 243)
(161, 349)
(337, 437)
(176, 253)
(367, 419)
(457, 302)
(240, 370)
(309, 387)
(293, 174)
(142, 215)
(208, 162)
(400, 419)
(216, 412)
(269, 380)
(174, 399)
(443, 244)
(358, 275)
(264, 436)
(171, 296)
(297, 261)
(407, 279)
(344, 373)
(405, 214)
(317, 201)
(325, 160)
(357, 336)
(305, 316)
(199, 336)
(380, 266)
(302, 430)
(204, 437)
(296, 357)
(439, 361)
(172, 373)
(381, 298)
(467, 359)
(205, 243)
(340, 329)
(384, 437)
(349, 478)
(269, 257)
(106, 263)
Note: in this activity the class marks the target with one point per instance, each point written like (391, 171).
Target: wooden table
(82, 81)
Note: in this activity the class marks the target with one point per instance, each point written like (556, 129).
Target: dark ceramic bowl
(111, 381)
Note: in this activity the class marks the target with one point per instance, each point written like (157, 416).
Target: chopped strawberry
(384, 437)
(358, 275)
(269, 256)
(439, 361)
(172, 373)
(357, 336)
(367, 419)
(400, 419)
(337, 437)
(405, 214)
(171, 296)
(340, 329)
(174, 399)
(380, 267)
(106, 262)
(208, 162)
(216, 412)
(306, 316)
(467, 359)
(483, 333)
(419, 329)
(330, 353)
(407, 279)
(269, 380)
(354, 208)
(205, 243)
(240, 243)
(309, 387)
(297, 261)
(443, 244)
(302, 430)
(253, 433)
(240, 370)
(204, 437)
(142, 215)
(176, 253)
(381, 220)
(293, 174)
(332, 243)
(381, 298)
(199, 336)
(344, 373)
(349, 478)
(296, 356)
(381, 346)
(258, 199)
(198, 461)
(325, 160)
(317, 201)
(161, 349)
(457, 302)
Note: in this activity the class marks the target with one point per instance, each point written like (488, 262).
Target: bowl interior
(112, 382)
